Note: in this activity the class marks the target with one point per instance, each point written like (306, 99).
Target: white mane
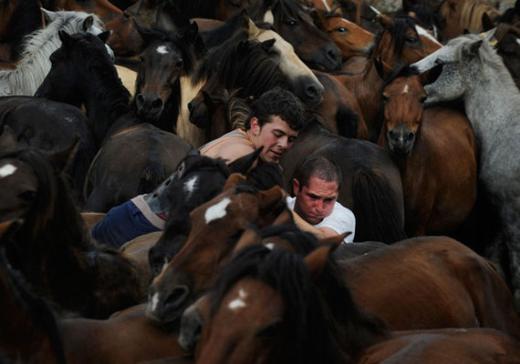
(39, 45)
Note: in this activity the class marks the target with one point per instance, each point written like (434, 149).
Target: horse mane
(398, 31)
(471, 14)
(243, 64)
(38, 46)
(238, 111)
(321, 319)
(216, 37)
(53, 207)
(38, 308)
(25, 19)
(108, 85)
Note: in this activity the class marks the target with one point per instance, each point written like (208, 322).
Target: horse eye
(27, 195)
(291, 22)
(341, 30)
(412, 40)
(269, 331)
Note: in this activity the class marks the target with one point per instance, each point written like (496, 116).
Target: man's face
(275, 136)
(315, 201)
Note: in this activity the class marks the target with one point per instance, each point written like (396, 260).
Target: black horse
(51, 247)
(83, 72)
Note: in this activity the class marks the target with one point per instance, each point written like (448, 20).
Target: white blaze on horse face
(442, 54)
(154, 302)
(269, 246)
(517, 41)
(405, 89)
(269, 17)
(238, 302)
(326, 5)
(162, 49)
(217, 211)
(7, 170)
(421, 31)
(189, 186)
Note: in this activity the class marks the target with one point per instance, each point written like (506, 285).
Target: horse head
(215, 227)
(403, 112)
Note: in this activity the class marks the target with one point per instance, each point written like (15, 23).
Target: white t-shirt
(340, 220)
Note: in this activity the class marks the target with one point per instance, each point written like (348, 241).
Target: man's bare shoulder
(231, 152)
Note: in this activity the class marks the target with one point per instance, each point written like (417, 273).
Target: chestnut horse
(351, 39)
(435, 150)
(270, 305)
(462, 289)
(17, 19)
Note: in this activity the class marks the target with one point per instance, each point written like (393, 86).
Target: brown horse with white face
(269, 305)
(435, 150)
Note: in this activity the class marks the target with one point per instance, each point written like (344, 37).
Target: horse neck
(499, 95)
(186, 129)
(107, 102)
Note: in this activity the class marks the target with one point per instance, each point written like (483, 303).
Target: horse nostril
(190, 106)
(410, 136)
(392, 134)
(139, 100)
(177, 297)
(157, 104)
(312, 92)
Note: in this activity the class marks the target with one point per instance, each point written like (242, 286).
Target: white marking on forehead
(405, 89)
(217, 211)
(269, 17)
(162, 49)
(189, 186)
(421, 31)
(269, 246)
(326, 5)
(155, 301)
(375, 10)
(517, 41)
(238, 302)
(7, 170)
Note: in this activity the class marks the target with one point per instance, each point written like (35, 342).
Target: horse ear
(65, 38)
(245, 163)
(192, 31)
(268, 44)
(248, 238)
(386, 21)
(233, 180)
(317, 259)
(87, 23)
(8, 139)
(274, 197)
(48, 15)
(61, 159)
(104, 36)
(487, 23)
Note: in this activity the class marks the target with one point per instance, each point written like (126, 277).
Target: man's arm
(319, 232)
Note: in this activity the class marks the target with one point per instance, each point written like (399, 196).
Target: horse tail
(151, 177)
(378, 216)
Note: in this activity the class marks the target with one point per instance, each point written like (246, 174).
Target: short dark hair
(320, 167)
(278, 102)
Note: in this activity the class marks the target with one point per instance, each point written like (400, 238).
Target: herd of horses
(104, 100)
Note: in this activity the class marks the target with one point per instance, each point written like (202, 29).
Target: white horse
(39, 45)
(473, 70)
(289, 63)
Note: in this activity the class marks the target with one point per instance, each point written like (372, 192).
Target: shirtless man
(276, 118)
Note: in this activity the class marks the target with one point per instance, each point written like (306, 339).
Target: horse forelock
(308, 329)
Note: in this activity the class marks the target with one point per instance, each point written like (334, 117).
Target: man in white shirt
(316, 185)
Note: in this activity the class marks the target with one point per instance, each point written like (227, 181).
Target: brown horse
(435, 150)
(102, 8)
(351, 39)
(462, 289)
(270, 305)
(216, 222)
(399, 44)
(17, 19)
(465, 15)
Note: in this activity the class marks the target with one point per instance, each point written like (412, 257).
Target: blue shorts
(121, 224)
